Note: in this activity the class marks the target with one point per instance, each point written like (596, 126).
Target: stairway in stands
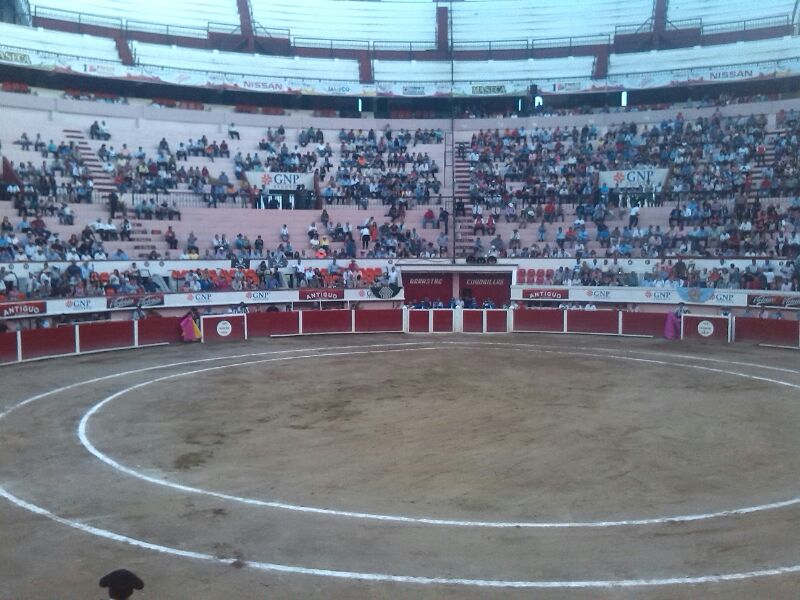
(103, 182)
(464, 237)
(103, 186)
(769, 157)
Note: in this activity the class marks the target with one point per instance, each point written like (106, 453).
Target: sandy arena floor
(524, 466)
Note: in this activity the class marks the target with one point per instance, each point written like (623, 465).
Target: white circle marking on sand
(389, 578)
(86, 442)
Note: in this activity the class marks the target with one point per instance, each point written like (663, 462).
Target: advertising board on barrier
(625, 295)
(321, 294)
(146, 301)
(76, 305)
(773, 300)
(9, 310)
(182, 299)
(545, 294)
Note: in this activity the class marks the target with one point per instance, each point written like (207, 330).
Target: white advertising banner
(642, 177)
(60, 306)
(253, 82)
(76, 305)
(279, 181)
(629, 295)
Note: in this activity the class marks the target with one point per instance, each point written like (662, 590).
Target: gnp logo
(80, 304)
(598, 293)
(281, 179)
(660, 295)
(199, 298)
(723, 298)
(257, 295)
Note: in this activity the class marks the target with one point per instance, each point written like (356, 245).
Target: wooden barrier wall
(115, 335)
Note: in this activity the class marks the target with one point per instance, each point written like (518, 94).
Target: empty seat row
(58, 42)
(350, 19)
(178, 57)
(725, 11)
(182, 13)
(533, 276)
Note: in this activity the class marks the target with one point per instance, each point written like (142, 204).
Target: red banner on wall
(773, 300)
(546, 294)
(147, 301)
(322, 294)
(482, 286)
(22, 309)
(433, 286)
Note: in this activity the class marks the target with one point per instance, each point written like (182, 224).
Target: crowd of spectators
(532, 177)
(77, 279)
(380, 165)
(705, 157)
(780, 276)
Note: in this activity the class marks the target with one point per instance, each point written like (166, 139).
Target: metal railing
(309, 42)
(126, 25)
(732, 26)
(270, 32)
(645, 27)
(412, 46)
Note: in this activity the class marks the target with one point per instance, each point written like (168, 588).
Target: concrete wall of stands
(85, 338)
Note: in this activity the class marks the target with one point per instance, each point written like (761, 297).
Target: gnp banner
(279, 181)
(634, 178)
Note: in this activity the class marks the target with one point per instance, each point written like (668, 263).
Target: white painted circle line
(389, 578)
(86, 442)
(8, 410)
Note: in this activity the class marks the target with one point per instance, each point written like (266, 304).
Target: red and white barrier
(706, 327)
(115, 335)
(223, 328)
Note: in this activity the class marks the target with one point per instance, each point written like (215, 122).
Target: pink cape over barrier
(189, 329)
(672, 327)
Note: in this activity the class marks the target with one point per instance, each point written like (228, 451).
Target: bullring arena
(402, 299)
(391, 465)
